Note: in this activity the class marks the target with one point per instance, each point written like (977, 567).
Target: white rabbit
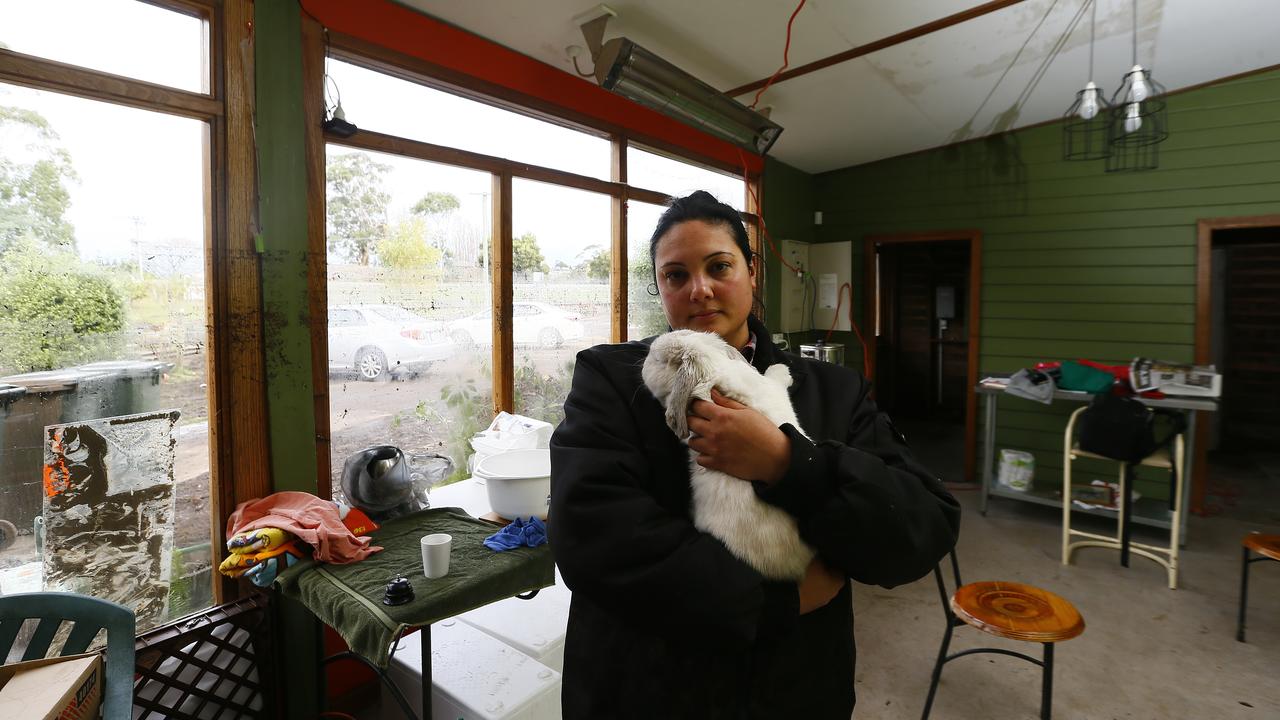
(684, 365)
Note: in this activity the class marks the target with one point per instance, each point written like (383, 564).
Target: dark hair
(701, 205)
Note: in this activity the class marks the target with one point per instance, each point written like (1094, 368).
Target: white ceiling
(969, 80)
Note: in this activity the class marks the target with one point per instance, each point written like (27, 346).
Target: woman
(665, 622)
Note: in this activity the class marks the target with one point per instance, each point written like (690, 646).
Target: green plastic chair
(88, 616)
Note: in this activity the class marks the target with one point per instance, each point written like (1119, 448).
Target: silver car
(533, 323)
(377, 340)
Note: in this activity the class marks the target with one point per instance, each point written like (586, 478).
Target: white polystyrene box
(536, 626)
(473, 677)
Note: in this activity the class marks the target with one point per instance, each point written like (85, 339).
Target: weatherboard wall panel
(1078, 263)
(1085, 311)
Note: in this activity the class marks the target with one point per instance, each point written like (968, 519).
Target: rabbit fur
(684, 365)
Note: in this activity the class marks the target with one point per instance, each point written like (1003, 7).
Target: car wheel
(550, 338)
(371, 363)
(462, 339)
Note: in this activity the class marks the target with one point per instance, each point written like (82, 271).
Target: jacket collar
(768, 354)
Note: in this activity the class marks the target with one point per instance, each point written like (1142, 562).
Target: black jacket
(664, 622)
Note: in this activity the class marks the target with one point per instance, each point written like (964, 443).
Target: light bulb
(1138, 89)
(1132, 117)
(1089, 102)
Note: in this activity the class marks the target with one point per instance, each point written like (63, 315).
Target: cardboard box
(63, 688)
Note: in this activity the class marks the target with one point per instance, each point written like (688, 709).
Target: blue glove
(520, 533)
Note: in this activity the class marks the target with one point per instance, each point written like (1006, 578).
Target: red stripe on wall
(409, 32)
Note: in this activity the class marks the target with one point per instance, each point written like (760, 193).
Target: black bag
(1117, 427)
(1122, 428)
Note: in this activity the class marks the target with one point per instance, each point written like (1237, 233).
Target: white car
(377, 340)
(533, 323)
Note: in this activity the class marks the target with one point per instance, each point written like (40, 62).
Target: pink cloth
(315, 522)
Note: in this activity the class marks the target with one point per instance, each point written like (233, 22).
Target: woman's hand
(819, 586)
(735, 439)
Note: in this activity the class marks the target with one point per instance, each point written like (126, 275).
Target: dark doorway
(1236, 318)
(923, 314)
(1244, 440)
(923, 341)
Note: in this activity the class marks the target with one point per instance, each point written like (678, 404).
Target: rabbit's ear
(685, 386)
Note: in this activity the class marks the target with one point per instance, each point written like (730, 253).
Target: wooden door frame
(1205, 228)
(973, 237)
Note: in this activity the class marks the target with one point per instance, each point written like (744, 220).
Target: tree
(599, 267)
(436, 203)
(55, 309)
(406, 248)
(33, 196)
(357, 205)
(526, 256)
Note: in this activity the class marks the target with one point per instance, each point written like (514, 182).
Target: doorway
(922, 312)
(1237, 464)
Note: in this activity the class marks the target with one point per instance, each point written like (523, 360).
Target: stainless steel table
(1145, 512)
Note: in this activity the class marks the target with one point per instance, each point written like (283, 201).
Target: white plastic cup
(435, 554)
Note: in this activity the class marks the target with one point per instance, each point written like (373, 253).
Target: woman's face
(704, 280)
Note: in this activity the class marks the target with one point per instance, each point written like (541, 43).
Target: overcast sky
(141, 173)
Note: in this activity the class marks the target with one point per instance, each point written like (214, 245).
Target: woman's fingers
(722, 401)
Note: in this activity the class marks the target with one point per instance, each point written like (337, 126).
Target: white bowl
(518, 482)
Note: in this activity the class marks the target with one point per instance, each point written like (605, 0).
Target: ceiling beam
(904, 36)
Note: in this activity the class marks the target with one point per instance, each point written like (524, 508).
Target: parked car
(533, 323)
(376, 340)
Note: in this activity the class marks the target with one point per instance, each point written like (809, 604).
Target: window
(104, 317)
(644, 310)
(422, 113)
(562, 260)
(121, 37)
(409, 287)
(562, 244)
(677, 177)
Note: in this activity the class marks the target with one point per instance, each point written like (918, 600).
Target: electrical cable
(835, 317)
(786, 49)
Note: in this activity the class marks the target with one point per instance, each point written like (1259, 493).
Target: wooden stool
(1162, 458)
(1009, 610)
(1268, 548)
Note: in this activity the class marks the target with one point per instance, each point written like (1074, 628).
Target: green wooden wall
(1077, 263)
(787, 206)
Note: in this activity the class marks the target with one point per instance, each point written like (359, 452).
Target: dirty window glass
(104, 408)
(561, 284)
(409, 291)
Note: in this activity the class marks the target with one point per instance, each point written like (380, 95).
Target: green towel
(348, 598)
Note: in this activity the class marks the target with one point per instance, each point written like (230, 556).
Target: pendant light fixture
(1139, 118)
(1085, 124)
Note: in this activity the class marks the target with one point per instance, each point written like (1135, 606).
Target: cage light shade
(1139, 122)
(1085, 129)
(637, 74)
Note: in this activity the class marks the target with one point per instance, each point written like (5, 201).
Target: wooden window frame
(319, 45)
(239, 462)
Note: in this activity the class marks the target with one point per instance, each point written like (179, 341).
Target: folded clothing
(315, 521)
(520, 533)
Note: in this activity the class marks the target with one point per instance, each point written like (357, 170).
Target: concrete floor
(1147, 651)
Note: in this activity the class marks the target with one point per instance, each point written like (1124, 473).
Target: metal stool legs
(1046, 684)
(1245, 562)
(1244, 593)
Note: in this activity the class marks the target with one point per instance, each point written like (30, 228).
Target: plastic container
(1017, 470)
(518, 482)
(473, 677)
(134, 385)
